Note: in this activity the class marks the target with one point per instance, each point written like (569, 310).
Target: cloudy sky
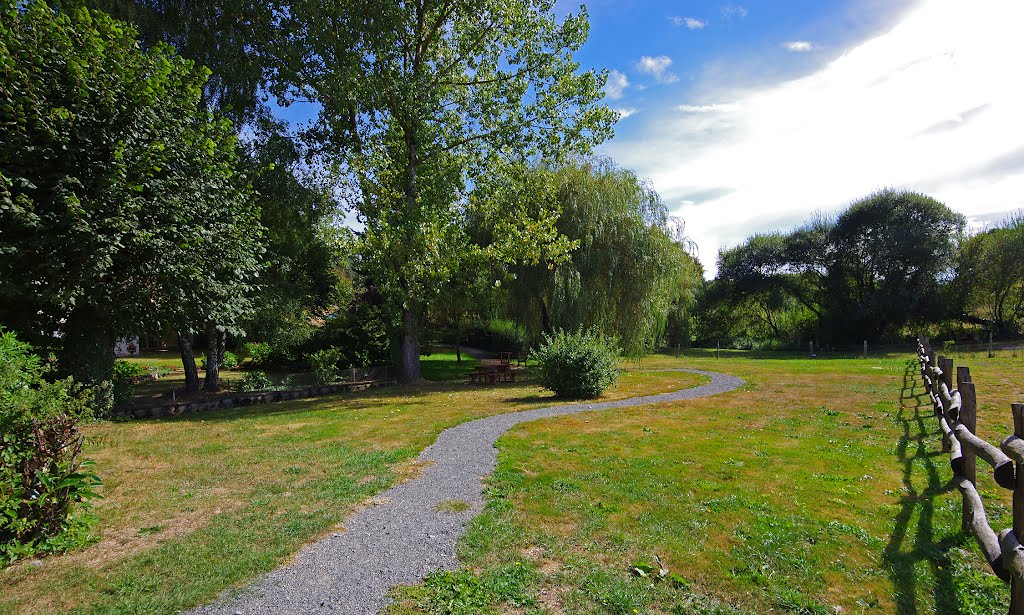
(749, 116)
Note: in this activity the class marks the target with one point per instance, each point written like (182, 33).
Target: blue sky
(750, 116)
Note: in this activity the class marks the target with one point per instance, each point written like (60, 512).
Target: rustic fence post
(969, 419)
(1016, 586)
(865, 349)
(990, 354)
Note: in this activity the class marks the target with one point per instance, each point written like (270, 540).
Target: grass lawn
(818, 488)
(198, 504)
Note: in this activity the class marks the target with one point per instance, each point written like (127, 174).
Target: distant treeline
(889, 264)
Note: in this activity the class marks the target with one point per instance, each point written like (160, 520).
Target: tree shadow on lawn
(916, 417)
(411, 395)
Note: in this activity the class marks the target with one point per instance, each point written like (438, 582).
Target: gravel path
(402, 538)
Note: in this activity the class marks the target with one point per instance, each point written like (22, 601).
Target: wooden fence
(956, 409)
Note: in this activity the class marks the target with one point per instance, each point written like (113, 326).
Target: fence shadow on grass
(916, 416)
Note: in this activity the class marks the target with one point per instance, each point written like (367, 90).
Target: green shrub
(259, 353)
(498, 335)
(325, 364)
(230, 360)
(577, 365)
(123, 387)
(42, 478)
(255, 381)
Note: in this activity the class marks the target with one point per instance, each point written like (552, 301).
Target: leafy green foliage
(990, 280)
(120, 200)
(577, 365)
(44, 485)
(124, 375)
(424, 102)
(629, 268)
(255, 381)
(325, 364)
(230, 360)
(259, 353)
(872, 270)
(229, 37)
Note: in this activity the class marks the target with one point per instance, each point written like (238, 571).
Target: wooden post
(718, 350)
(990, 354)
(865, 349)
(812, 349)
(969, 419)
(946, 365)
(1016, 586)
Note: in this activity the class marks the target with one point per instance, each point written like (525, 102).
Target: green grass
(820, 484)
(442, 366)
(198, 504)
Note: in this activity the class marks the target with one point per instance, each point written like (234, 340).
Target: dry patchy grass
(195, 505)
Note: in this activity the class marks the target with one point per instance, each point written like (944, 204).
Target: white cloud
(733, 10)
(691, 23)
(932, 105)
(657, 67)
(616, 85)
(626, 112)
(798, 46)
(715, 108)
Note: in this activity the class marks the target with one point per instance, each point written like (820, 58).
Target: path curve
(402, 538)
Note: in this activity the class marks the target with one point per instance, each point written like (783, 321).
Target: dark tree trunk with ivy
(214, 352)
(409, 359)
(188, 360)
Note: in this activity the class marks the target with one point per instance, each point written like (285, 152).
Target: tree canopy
(874, 268)
(120, 205)
(421, 101)
(627, 270)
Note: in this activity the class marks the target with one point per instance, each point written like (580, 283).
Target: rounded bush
(325, 364)
(255, 381)
(577, 365)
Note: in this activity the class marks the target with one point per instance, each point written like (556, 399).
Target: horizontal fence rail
(957, 413)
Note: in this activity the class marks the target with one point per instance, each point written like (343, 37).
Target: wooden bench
(492, 374)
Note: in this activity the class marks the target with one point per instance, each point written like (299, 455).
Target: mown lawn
(818, 488)
(198, 504)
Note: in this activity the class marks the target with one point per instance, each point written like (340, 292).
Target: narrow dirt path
(403, 538)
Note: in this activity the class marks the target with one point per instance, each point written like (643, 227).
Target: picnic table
(493, 372)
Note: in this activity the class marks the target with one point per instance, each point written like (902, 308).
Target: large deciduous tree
(422, 100)
(873, 269)
(229, 37)
(990, 278)
(120, 206)
(628, 268)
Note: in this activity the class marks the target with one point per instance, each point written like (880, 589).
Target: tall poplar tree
(421, 101)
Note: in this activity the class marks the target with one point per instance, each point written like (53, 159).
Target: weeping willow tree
(629, 267)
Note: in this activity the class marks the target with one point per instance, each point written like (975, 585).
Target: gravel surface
(402, 538)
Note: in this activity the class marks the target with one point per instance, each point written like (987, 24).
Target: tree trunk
(222, 340)
(409, 361)
(188, 360)
(545, 317)
(458, 342)
(212, 382)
